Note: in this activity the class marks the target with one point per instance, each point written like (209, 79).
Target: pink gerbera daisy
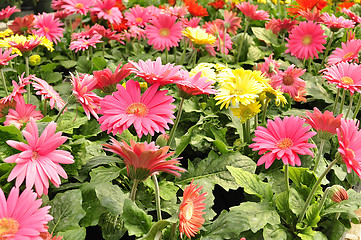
(21, 216)
(335, 23)
(223, 43)
(306, 40)
(149, 113)
(289, 81)
(154, 72)
(137, 16)
(106, 9)
(311, 15)
(270, 67)
(164, 32)
(48, 26)
(281, 25)
(231, 22)
(6, 56)
(354, 17)
(178, 11)
(283, 139)
(18, 89)
(106, 33)
(195, 85)
(47, 92)
(83, 43)
(347, 53)
(7, 12)
(144, 159)
(78, 6)
(82, 87)
(344, 75)
(39, 160)
(22, 114)
(251, 12)
(349, 139)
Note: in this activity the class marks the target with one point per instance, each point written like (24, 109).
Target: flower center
(79, 5)
(188, 210)
(164, 32)
(108, 11)
(350, 151)
(46, 29)
(285, 143)
(85, 43)
(307, 40)
(138, 109)
(347, 80)
(288, 80)
(8, 228)
(35, 156)
(138, 20)
(347, 55)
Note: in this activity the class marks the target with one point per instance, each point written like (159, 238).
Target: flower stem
(179, 113)
(242, 40)
(166, 55)
(287, 180)
(45, 107)
(183, 53)
(4, 81)
(149, 138)
(194, 58)
(157, 197)
(336, 100)
(246, 131)
(27, 70)
(342, 100)
(319, 155)
(60, 112)
(357, 107)
(326, 51)
(224, 42)
(255, 121)
(323, 199)
(175, 54)
(349, 106)
(264, 110)
(134, 190)
(313, 190)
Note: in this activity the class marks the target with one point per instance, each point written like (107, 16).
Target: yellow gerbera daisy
(199, 36)
(270, 93)
(246, 112)
(225, 75)
(44, 42)
(6, 33)
(257, 75)
(207, 70)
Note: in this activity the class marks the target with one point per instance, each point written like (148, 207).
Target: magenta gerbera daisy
(83, 43)
(283, 139)
(344, 75)
(164, 32)
(48, 26)
(335, 23)
(47, 92)
(21, 216)
(195, 85)
(306, 40)
(18, 90)
(77, 6)
(7, 12)
(106, 9)
(149, 113)
(39, 160)
(137, 16)
(348, 52)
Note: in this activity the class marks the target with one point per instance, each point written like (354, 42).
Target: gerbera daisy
(251, 12)
(154, 72)
(137, 16)
(246, 112)
(337, 194)
(83, 43)
(7, 12)
(231, 22)
(149, 113)
(240, 87)
(335, 23)
(22, 25)
(194, 85)
(48, 26)
(324, 123)
(348, 52)
(7, 32)
(21, 216)
(283, 139)
(199, 36)
(217, 4)
(5, 107)
(305, 40)
(20, 43)
(306, 5)
(106, 9)
(270, 67)
(77, 6)
(82, 87)
(349, 139)
(106, 33)
(164, 32)
(5, 56)
(344, 75)
(22, 114)
(224, 43)
(178, 11)
(354, 17)
(206, 69)
(281, 25)
(269, 94)
(144, 159)
(47, 92)
(195, 8)
(289, 81)
(191, 211)
(309, 15)
(39, 160)
(18, 90)
(193, 22)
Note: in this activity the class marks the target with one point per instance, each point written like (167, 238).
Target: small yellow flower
(44, 42)
(269, 93)
(6, 33)
(143, 86)
(246, 112)
(34, 60)
(199, 36)
(207, 70)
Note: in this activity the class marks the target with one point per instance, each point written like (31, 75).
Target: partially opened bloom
(354, 17)
(106, 9)
(47, 92)
(309, 15)
(19, 89)
(84, 43)
(149, 113)
(195, 8)
(137, 16)
(324, 123)
(82, 89)
(289, 81)
(144, 159)
(77, 6)
(348, 52)
(39, 160)
(191, 210)
(283, 139)
(344, 75)
(7, 12)
(349, 139)
(251, 12)
(306, 40)
(22, 114)
(199, 36)
(6, 56)
(195, 85)
(164, 32)
(155, 72)
(48, 26)
(21, 216)
(335, 23)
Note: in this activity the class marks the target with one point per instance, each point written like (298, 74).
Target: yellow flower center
(164, 32)
(138, 109)
(285, 143)
(85, 43)
(288, 80)
(188, 210)
(79, 5)
(347, 80)
(35, 156)
(8, 228)
(350, 151)
(347, 55)
(46, 29)
(307, 40)
(138, 19)
(108, 11)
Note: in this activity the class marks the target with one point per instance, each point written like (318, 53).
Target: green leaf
(315, 89)
(135, 219)
(296, 201)
(184, 141)
(8, 133)
(214, 169)
(112, 226)
(104, 174)
(276, 232)
(67, 211)
(84, 65)
(312, 215)
(157, 227)
(319, 236)
(306, 233)
(167, 190)
(68, 63)
(49, 67)
(265, 35)
(251, 183)
(99, 63)
(70, 120)
(51, 77)
(73, 234)
(333, 229)
(111, 197)
(97, 161)
(254, 53)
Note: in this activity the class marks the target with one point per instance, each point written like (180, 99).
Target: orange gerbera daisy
(306, 5)
(195, 9)
(23, 25)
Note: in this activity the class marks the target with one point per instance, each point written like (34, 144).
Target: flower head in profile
(38, 160)
(231, 22)
(47, 92)
(251, 12)
(85, 43)
(48, 26)
(149, 113)
(77, 6)
(106, 9)
(337, 194)
(348, 52)
(21, 215)
(195, 85)
(336, 23)
(5, 107)
(270, 67)
(324, 123)
(306, 40)
(19, 89)
(191, 210)
(246, 112)
(354, 17)
(312, 16)
(349, 139)
(137, 16)
(199, 36)
(7, 12)
(195, 8)
(107, 33)
(344, 75)
(281, 25)
(144, 159)
(283, 139)
(5, 56)
(22, 114)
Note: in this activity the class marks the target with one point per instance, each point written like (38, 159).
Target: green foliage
(8, 133)
(135, 219)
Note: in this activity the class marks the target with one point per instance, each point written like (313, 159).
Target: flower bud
(34, 60)
(162, 140)
(338, 194)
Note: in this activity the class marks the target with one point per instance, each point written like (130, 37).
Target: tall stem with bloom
(342, 100)
(324, 197)
(287, 180)
(224, 42)
(179, 113)
(242, 40)
(157, 197)
(349, 106)
(134, 190)
(327, 50)
(27, 73)
(319, 154)
(183, 53)
(264, 110)
(313, 190)
(336, 100)
(357, 107)
(4, 81)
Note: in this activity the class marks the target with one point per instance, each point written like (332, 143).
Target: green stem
(224, 42)
(134, 190)
(342, 100)
(326, 51)
(60, 112)
(45, 107)
(157, 197)
(313, 190)
(173, 231)
(183, 53)
(166, 55)
(246, 132)
(149, 138)
(255, 121)
(4, 81)
(264, 110)
(319, 155)
(357, 107)
(242, 40)
(103, 49)
(336, 100)
(27, 70)
(179, 113)
(287, 180)
(349, 106)
(324, 197)
(194, 58)
(175, 54)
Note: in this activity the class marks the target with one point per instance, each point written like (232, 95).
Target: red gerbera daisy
(306, 5)
(7, 12)
(281, 25)
(22, 25)
(195, 8)
(251, 12)
(217, 4)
